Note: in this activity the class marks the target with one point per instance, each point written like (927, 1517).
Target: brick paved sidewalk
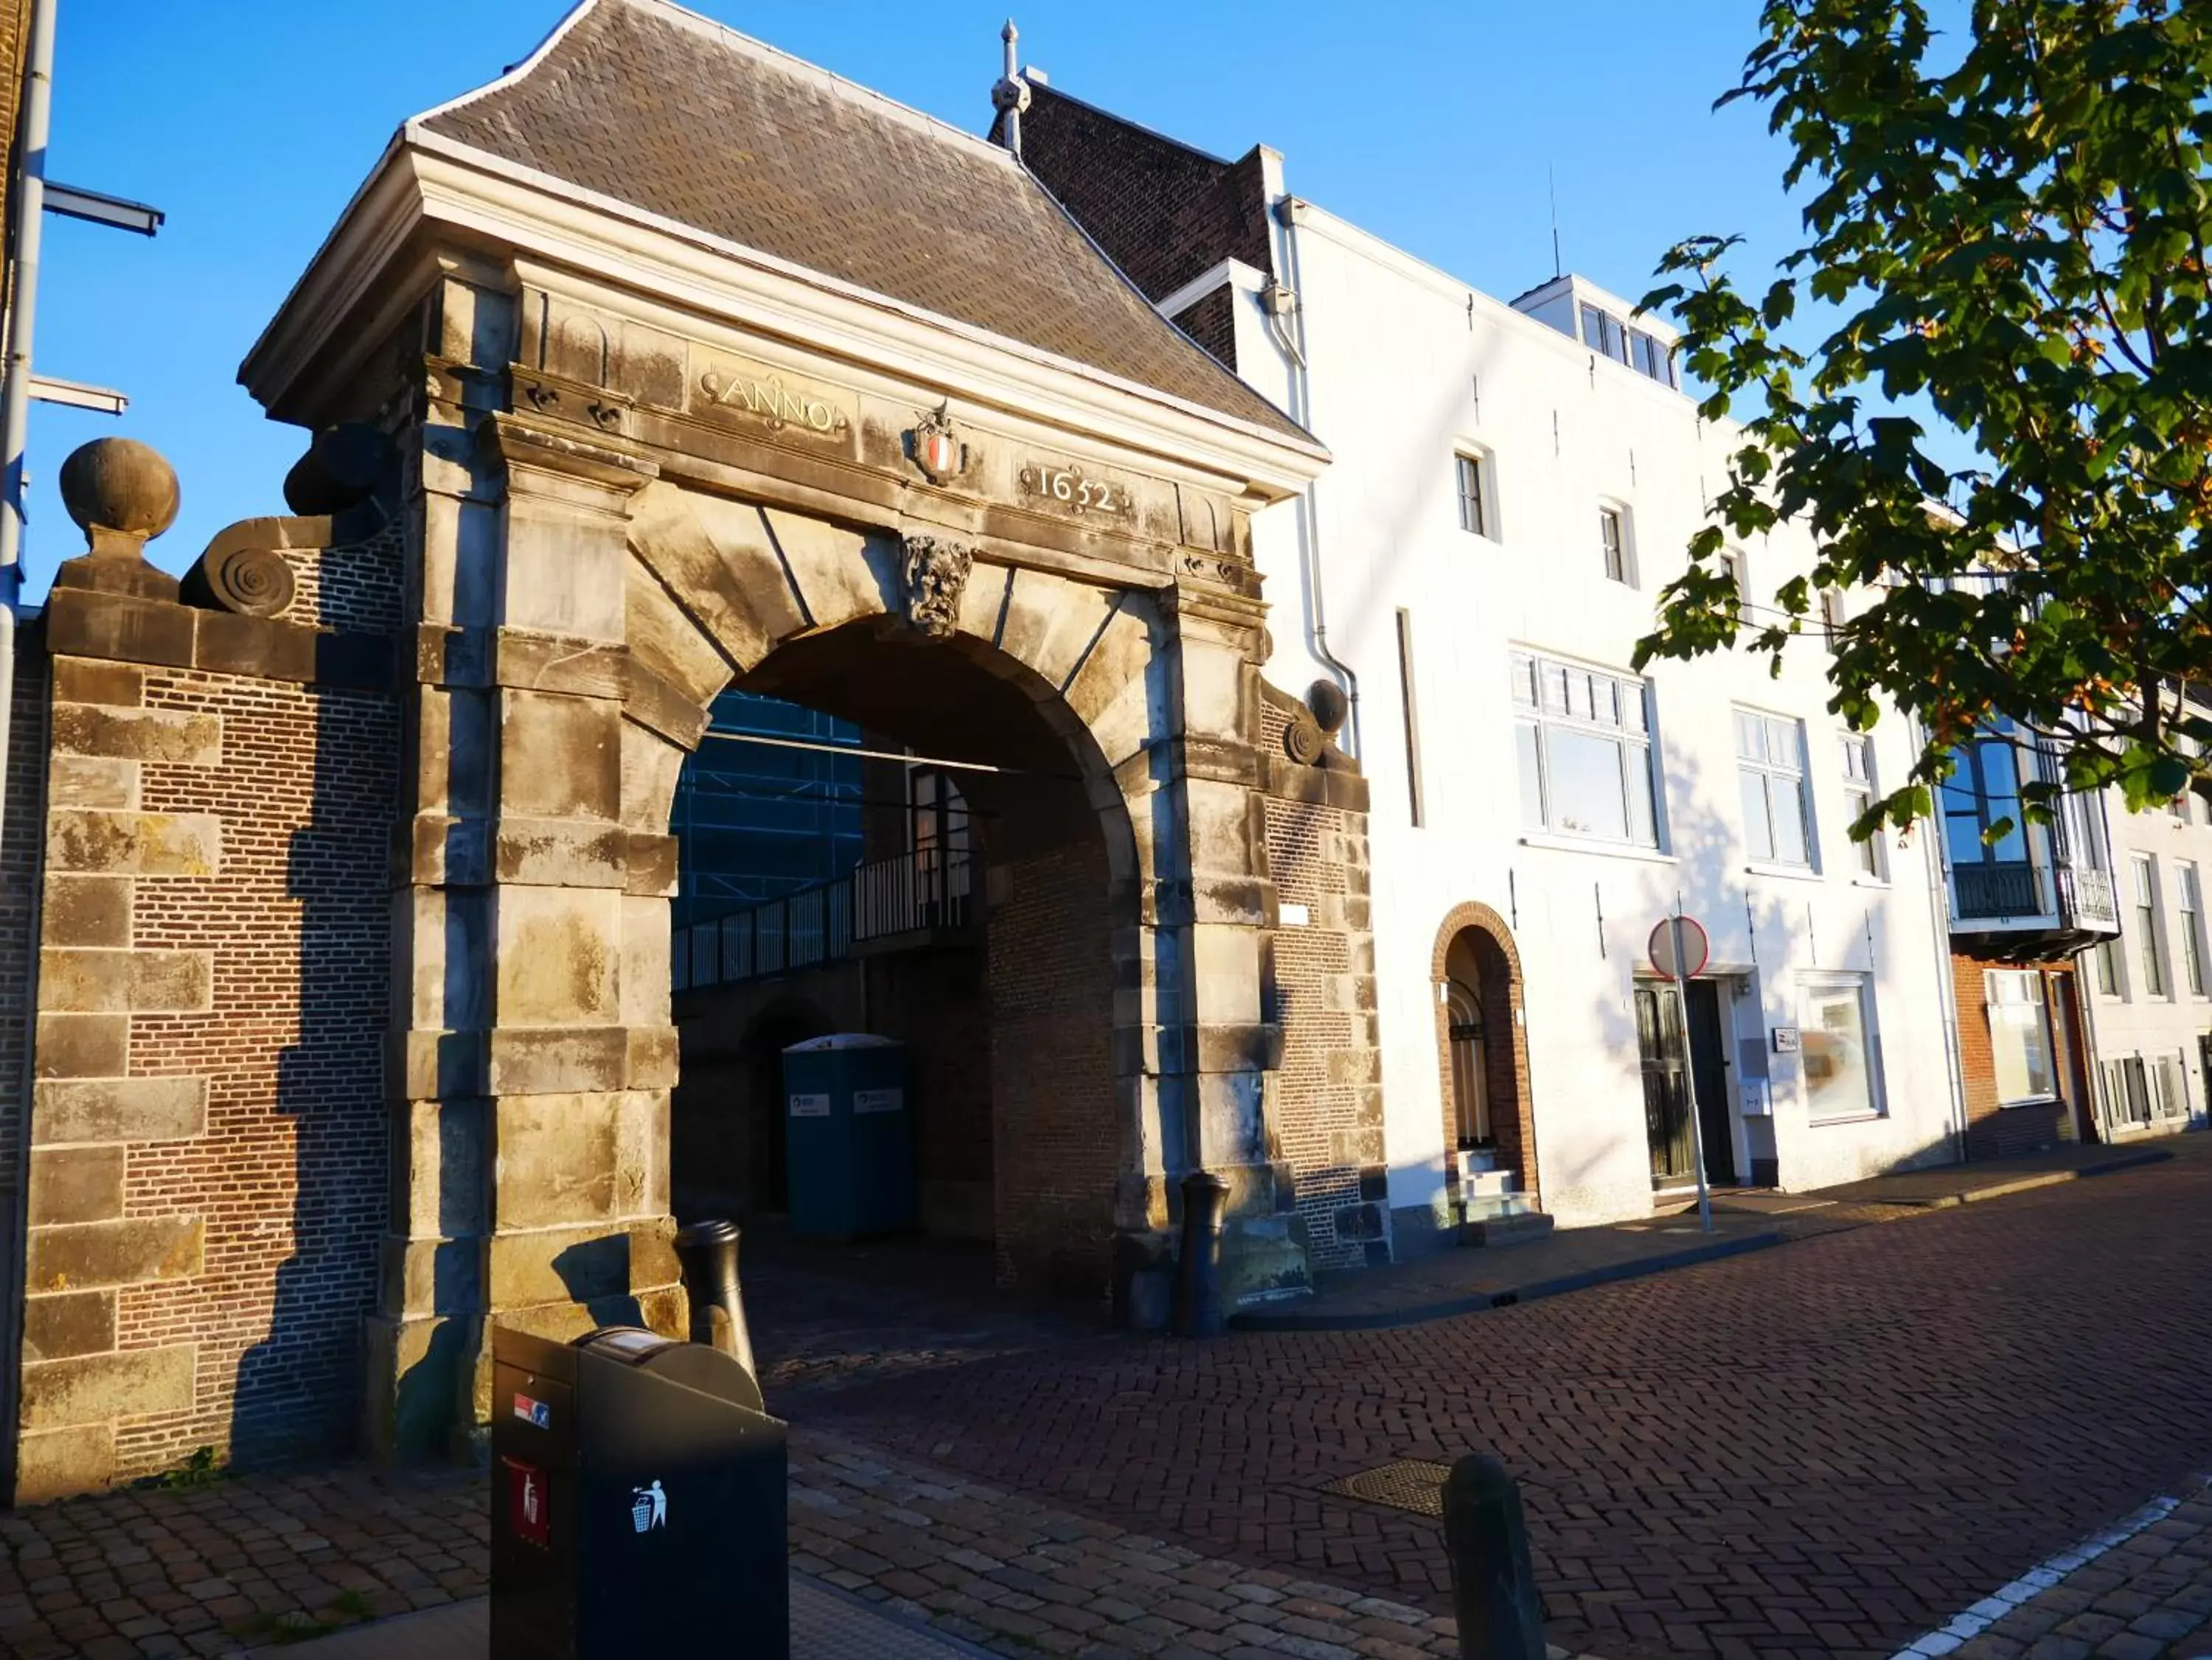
(221, 1569)
(2149, 1597)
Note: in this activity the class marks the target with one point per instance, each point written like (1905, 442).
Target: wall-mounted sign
(810, 1106)
(1295, 915)
(763, 399)
(1072, 490)
(1786, 1041)
(877, 1100)
(1757, 1102)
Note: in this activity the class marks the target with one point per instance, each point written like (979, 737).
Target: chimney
(1011, 94)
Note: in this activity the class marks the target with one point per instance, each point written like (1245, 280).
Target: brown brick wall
(1327, 1105)
(1211, 322)
(1163, 212)
(1993, 1132)
(290, 1173)
(21, 824)
(1052, 1071)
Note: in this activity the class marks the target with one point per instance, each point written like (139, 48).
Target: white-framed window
(2105, 960)
(1477, 493)
(1832, 616)
(2191, 918)
(2020, 1036)
(2146, 924)
(1737, 569)
(1615, 553)
(1770, 753)
(1603, 334)
(1653, 357)
(1583, 737)
(1838, 1048)
(1858, 798)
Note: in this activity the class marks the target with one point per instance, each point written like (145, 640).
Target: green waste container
(848, 1145)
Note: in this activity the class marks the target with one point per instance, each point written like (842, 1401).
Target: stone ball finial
(122, 486)
(1326, 700)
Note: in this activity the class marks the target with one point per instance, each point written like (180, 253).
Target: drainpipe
(29, 202)
(1288, 212)
(1939, 906)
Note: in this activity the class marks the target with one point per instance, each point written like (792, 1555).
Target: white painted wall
(2133, 1020)
(1398, 353)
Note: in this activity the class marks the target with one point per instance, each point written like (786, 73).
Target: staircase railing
(924, 891)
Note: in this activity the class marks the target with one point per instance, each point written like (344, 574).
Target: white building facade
(2150, 1014)
(1511, 487)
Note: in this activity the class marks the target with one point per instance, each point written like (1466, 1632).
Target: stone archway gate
(435, 716)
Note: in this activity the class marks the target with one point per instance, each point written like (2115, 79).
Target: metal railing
(2088, 895)
(1997, 889)
(913, 892)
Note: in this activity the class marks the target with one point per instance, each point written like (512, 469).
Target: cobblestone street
(1887, 1437)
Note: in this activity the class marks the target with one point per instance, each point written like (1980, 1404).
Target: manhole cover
(1409, 1484)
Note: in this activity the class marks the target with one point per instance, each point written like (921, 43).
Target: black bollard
(1494, 1597)
(1198, 1311)
(708, 1254)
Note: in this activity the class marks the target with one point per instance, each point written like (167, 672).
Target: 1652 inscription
(1069, 489)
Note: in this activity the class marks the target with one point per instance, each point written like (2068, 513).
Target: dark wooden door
(1665, 1087)
(1709, 1073)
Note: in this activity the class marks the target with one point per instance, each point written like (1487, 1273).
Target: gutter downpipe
(29, 202)
(1288, 211)
(1939, 906)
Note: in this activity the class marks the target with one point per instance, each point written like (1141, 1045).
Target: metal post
(1493, 1575)
(707, 1254)
(1198, 1311)
(30, 217)
(1689, 1064)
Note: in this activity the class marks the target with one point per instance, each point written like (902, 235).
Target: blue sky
(1432, 124)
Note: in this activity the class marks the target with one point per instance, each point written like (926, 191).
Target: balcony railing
(2088, 895)
(913, 893)
(1997, 889)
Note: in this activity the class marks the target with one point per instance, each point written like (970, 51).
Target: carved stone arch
(1497, 987)
(716, 587)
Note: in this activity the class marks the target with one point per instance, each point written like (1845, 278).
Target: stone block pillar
(535, 1051)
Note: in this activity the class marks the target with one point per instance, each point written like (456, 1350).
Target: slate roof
(654, 106)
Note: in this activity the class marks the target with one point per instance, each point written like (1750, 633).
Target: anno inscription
(765, 397)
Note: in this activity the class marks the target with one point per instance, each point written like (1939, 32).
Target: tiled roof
(654, 107)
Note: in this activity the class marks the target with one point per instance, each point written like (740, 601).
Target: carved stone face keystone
(936, 570)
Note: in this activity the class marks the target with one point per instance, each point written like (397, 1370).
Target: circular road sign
(1695, 947)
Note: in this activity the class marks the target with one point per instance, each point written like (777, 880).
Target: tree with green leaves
(2007, 228)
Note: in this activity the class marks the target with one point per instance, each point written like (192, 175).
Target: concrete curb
(2132, 1159)
(1292, 1319)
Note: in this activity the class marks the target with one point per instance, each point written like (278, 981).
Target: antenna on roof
(1011, 94)
(1551, 182)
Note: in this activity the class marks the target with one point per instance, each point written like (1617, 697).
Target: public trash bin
(637, 1502)
(848, 1140)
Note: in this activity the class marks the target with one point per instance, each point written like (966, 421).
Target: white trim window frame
(2190, 896)
(2143, 877)
(1778, 809)
(1859, 791)
(1474, 486)
(1839, 1048)
(1584, 743)
(1616, 542)
(2018, 1013)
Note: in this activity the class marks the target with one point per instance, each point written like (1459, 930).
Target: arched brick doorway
(1482, 1045)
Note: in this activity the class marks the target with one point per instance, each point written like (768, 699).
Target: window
(1652, 358)
(2127, 1090)
(1733, 568)
(1602, 333)
(1770, 768)
(1858, 798)
(2193, 929)
(2020, 1036)
(1989, 878)
(1475, 512)
(1613, 543)
(2153, 964)
(1584, 742)
(1837, 1046)
(2172, 1092)
(2106, 962)
(1831, 616)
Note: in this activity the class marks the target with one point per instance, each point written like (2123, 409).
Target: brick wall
(1163, 212)
(1211, 322)
(1051, 1067)
(1995, 1131)
(289, 1175)
(21, 827)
